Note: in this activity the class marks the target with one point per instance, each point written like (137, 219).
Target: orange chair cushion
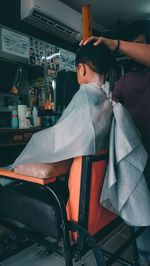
(44, 170)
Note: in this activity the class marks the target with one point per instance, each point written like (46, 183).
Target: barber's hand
(98, 40)
(111, 44)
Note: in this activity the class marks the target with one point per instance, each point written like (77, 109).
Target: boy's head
(93, 63)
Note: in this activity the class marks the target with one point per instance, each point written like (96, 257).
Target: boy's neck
(98, 79)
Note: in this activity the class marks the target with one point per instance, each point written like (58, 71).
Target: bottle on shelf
(29, 118)
(14, 120)
(35, 116)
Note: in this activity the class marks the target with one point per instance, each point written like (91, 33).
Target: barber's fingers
(98, 40)
(84, 42)
(81, 43)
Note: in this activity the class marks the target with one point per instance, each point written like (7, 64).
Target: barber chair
(80, 221)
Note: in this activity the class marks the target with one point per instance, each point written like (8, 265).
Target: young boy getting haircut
(83, 128)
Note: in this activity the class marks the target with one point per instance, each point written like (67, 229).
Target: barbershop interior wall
(10, 17)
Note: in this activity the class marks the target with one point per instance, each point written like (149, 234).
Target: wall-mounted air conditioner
(54, 17)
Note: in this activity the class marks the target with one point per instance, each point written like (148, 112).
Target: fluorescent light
(51, 56)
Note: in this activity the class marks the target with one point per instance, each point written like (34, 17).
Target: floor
(114, 241)
(36, 255)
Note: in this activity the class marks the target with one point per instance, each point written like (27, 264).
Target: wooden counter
(12, 142)
(9, 136)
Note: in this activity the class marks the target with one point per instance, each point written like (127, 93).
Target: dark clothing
(133, 91)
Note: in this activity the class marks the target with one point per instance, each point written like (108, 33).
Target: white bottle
(34, 116)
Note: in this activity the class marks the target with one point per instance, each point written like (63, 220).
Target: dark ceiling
(114, 13)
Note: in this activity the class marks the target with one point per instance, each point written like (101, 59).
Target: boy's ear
(82, 69)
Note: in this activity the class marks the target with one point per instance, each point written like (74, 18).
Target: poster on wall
(14, 43)
(67, 60)
(52, 59)
(37, 52)
(50, 56)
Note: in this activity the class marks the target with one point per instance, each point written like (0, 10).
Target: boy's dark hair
(132, 31)
(98, 58)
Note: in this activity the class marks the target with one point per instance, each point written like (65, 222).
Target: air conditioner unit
(54, 17)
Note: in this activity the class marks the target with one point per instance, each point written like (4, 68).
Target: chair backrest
(85, 185)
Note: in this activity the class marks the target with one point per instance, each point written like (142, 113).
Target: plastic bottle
(14, 120)
(29, 118)
(34, 116)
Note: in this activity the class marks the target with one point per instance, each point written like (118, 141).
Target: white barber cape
(125, 191)
(83, 129)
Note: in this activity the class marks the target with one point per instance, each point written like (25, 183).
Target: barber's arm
(138, 51)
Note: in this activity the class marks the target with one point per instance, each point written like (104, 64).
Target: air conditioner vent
(47, 21)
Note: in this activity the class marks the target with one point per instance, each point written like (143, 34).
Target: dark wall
(66, 87)
(10, 17)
